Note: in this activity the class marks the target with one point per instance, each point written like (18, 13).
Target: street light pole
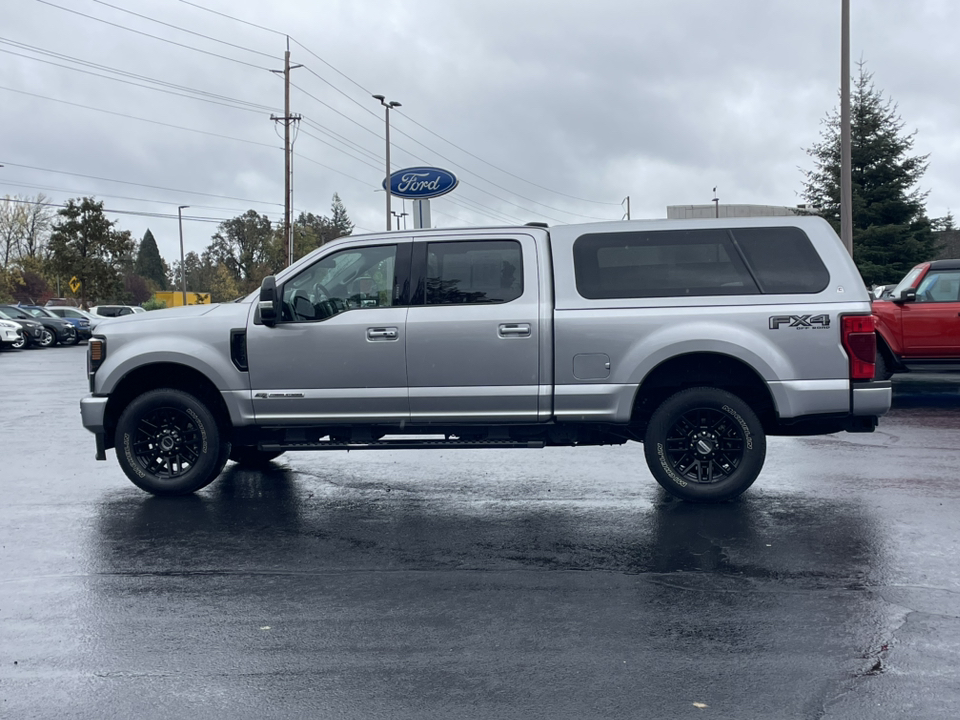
(388, 105)
(183, 269)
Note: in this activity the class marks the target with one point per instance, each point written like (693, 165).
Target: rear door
(473, 329)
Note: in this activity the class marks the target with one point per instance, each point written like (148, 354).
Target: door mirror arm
(269, 305)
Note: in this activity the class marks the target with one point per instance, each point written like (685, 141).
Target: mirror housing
(269, 305)
(908, 295)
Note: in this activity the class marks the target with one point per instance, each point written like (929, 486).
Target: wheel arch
(703, 369)
(164, 375)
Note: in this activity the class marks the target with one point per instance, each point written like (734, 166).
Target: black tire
(252, 457)
(169, 443)
(72, 340)
(705, 445)
(47, 338)
(883, 371)
(20, 343)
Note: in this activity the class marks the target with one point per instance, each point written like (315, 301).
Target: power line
(134, 117)
(155, 37)
(230, 17)
(127, 182)
(87, 193)
(165, 216)
(231, 104)
(191, 32)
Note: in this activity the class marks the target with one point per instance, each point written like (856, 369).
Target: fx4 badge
(802, 322)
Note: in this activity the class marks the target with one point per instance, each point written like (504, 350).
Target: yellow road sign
(74, 284)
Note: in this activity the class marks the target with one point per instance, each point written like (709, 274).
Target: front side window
(352, 279)
(940, 287)
(487, 271)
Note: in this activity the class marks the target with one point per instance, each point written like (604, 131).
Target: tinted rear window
(660, 264)
(670, 263)
(782, 260)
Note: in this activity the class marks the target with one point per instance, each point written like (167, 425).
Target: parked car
(32, 329)
(115, 310)
(55, 330)
(69, 313)
(920, 328)
(11, 335)
(80, 324)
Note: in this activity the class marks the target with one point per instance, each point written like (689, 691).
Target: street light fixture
(183, 269)
(388, 105)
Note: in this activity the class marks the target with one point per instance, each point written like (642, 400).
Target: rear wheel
(883, 371)
(169, 443)
(705, 445)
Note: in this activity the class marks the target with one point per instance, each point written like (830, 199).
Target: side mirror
(269, 304)
(908, 295)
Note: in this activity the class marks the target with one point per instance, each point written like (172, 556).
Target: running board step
(400, 444)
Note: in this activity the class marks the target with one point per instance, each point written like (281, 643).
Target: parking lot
(557, 583)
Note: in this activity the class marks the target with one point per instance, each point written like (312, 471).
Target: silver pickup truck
(696, 338)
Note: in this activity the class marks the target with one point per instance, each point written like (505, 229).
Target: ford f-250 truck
(697, 338)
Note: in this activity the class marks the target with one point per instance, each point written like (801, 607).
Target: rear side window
(671, 263)
(473, 272)
(782, 259)
(660, 264)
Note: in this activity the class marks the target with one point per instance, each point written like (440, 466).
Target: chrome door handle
(386, 333)
(514, 330)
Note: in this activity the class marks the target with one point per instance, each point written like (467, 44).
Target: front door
(931, 325)
(473, 330)
(336, 354)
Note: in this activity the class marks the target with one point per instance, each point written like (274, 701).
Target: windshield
(38, 312)
(908, 281)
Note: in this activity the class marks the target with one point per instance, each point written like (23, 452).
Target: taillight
(859, 338)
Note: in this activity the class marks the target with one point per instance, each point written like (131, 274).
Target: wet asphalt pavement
(557, 583)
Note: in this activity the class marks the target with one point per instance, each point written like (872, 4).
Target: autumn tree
(891, 231)
(242, 244)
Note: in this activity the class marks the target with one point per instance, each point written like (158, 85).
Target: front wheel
(168, 443)
(705, 445)
(47, 338)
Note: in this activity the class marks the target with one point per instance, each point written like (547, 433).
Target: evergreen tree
(84, 244)
(891, 232)
(149, 264)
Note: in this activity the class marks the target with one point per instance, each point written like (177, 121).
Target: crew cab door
(336, 354)
(931, 324)
(473, 329)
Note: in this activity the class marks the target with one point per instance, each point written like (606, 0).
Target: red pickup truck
(918, 327)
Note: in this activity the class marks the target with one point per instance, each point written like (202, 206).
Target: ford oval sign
(420, 183)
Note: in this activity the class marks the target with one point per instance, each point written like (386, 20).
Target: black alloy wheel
(705, 445)
(169, 443)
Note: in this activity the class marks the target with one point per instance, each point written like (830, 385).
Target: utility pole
(846, 158)
(287, 120)
(716, 203)
(627, 201)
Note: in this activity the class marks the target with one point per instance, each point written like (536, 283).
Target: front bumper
(93, 411)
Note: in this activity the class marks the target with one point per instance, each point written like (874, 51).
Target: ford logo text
(419, 183)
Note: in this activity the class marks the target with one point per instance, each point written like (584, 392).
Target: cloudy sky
(547, 110)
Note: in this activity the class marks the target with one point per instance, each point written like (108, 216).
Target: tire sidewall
(666, 415)
(213, 451)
